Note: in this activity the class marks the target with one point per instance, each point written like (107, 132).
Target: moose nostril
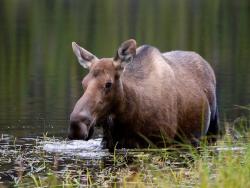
(77, 121)
(81, 117)
(86, 121)
(74, 126)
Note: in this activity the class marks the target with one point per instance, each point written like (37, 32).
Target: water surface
(40, 79)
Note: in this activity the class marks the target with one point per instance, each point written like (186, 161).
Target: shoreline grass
(225, 164)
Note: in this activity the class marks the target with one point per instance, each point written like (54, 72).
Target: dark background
(39, 74)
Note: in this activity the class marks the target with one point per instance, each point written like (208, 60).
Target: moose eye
(108, 85)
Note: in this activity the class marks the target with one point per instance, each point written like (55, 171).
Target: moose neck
(125, 103)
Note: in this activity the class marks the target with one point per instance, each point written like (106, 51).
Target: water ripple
(85, 149)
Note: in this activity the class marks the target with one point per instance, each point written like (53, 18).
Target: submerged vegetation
(225, 164)
(39, 81)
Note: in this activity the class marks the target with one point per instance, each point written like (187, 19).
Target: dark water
(40, 77)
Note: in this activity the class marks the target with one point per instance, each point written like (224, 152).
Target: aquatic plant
(29, 162)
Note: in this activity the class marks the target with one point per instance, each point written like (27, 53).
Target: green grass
(225, 164)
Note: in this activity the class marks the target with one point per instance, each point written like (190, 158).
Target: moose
(143, 98)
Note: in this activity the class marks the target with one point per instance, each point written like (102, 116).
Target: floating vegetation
(55, 162)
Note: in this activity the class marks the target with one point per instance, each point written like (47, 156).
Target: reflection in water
(39, 76)
(22, 158)
(25, 156)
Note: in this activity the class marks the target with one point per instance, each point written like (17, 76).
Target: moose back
(143, 97)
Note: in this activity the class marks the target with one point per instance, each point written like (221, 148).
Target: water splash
(85, 149)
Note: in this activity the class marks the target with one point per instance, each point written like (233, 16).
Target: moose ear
(84, 57)
(125, 53)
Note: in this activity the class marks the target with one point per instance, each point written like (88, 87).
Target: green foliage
(225, 164)
(39, 73)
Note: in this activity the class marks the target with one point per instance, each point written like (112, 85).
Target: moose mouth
(81, 132)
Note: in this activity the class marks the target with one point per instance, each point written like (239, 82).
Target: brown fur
(154, 100)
